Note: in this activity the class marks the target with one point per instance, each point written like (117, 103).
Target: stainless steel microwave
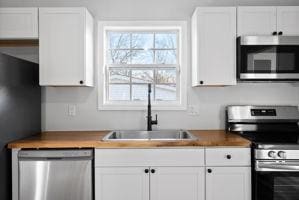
(268, 58)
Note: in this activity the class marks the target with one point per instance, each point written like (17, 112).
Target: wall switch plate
(72, 110)
(193, 110)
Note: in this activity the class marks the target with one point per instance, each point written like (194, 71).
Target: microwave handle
(277, 167)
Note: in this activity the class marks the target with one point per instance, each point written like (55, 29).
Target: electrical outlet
(193, 110)
(72, 110)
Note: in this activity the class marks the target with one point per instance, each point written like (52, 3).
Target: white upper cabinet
(288, 20)
(255, 20)
(66, 47)
(265, 20)
(214, 46)
(18, 23)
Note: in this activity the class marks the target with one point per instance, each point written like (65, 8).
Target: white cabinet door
(288, 20)
(214, 46)
(256, 20)
(18, 23)
(228, 183)
(177, 183)
(65, 47)
(117, 183)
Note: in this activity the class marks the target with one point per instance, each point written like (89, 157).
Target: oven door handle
(277, 167)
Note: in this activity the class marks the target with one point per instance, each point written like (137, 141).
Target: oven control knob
(282, 154)
(271, 154)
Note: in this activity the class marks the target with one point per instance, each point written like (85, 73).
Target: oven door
(276, 180)
(268, 60)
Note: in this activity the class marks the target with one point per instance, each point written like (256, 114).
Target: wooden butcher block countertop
(93, 139)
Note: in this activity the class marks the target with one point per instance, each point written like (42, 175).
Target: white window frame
(181, 26)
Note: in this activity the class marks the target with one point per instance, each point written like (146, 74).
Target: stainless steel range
(275, 151)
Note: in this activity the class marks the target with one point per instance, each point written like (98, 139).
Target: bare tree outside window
(137, 58)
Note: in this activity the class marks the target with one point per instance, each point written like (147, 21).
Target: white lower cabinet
(173, 174)
(177, 183)
(121, 183)
(228, 174)
(149, 183)
(228, 183)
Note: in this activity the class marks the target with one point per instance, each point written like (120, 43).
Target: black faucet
(150, 122)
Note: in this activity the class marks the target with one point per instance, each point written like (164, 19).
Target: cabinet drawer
(149, 157)
(228, 157)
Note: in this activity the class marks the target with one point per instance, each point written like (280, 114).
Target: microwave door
(286, 62)
(288, 59)
(268, 62)
(258, 62)
(264, 62)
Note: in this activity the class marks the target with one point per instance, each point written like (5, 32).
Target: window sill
(141, 107)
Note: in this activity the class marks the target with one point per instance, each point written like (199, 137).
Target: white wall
(210, 101)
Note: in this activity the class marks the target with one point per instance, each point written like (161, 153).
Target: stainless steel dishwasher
(55, 175)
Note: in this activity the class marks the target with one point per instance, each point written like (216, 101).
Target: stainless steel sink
(149, 135)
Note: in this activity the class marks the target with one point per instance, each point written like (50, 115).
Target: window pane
(140, 92)
(166, 41)
(135, 58)
(166, 57)
(142, 40)
(166, 76)
(118, 56)
(119, 92)
(142, 57)
(166, 92)
(142, 76)
(118, 40)
(119, 76)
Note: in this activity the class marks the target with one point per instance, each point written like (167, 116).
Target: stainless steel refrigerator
(20, 110)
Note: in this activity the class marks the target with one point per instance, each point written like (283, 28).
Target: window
(137, 55)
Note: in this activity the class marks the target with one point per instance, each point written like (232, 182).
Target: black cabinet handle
(274, 33)
(228, 156)
(280, 33)
(81, 82)
(146, 171)
(209, 170)
(200, 82)
(153, 171)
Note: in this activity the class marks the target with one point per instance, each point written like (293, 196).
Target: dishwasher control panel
(55, 153)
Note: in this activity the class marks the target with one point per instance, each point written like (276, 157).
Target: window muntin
(136, 58)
